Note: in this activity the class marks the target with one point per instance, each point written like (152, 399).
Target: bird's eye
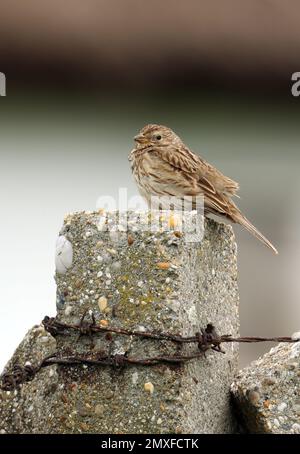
(158, 137)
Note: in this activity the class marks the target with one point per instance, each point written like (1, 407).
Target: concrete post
(267, 392)
(145, 281)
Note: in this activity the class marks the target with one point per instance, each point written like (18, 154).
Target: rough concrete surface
(146, 281)
(267, 393)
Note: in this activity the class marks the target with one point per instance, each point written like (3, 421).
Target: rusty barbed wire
(55, 327)
(207, 339)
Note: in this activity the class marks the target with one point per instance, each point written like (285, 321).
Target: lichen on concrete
(147, 281)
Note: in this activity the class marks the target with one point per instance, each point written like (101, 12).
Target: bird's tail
(242, 220)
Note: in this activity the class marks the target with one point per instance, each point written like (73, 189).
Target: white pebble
(101, 222)
(134, 378)
(296, 336)
(44, 339)
(63, 255)
(100, 274)
(68, 310)
(296, 427)
(282, 406)
(141, 329)
(102, 303)
(276, 423)
(295, 350)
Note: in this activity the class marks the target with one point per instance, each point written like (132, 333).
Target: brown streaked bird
(164, 166)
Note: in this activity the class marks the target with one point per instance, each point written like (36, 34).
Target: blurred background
(84, 77)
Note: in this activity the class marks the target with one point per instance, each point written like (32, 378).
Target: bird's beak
(140, 138)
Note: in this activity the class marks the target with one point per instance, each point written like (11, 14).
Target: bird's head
(155, 135)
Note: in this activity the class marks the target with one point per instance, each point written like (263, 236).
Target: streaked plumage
(163, 166)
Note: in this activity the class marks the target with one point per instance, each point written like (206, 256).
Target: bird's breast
(140, 163)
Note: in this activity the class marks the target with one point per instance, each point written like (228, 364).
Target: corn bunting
(163, 165)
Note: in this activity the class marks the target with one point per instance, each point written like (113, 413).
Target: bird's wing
(218, 190)
(220, 182)
(216, 187)
(179, 158)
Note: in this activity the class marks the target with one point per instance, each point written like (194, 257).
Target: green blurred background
(82, 79)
